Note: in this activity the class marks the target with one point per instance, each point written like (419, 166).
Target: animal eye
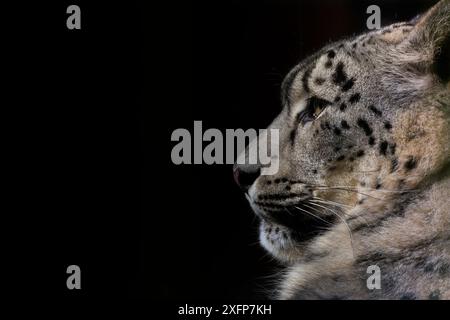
(317, 111)
(314, 107)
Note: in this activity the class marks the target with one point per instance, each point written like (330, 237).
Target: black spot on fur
(331, 54)
(339, 75)
(337, 99)
(345, 125)
(410, 164)
(394, 165)
(371, 141)
(365, 126)
(340, 158)
(337, 131)
(354, 98)
(292, 136)
(375, 110)
(383, 148)
(348, 85)
(305, 79)
(360, 153)
(387, 125)
(337, 149)
(343, 107)
(319, 81)
(328, 64)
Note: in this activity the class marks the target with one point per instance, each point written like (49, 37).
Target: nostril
(245, 178)
(236, 175)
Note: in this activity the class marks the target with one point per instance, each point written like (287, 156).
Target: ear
(430, 37)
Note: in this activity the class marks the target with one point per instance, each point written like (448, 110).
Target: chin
(280, 242)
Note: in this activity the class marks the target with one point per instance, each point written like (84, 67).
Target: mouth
(304, 219)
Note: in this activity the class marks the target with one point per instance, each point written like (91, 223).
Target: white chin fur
(280, 247)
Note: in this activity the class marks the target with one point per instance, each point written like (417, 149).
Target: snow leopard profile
(364, 167)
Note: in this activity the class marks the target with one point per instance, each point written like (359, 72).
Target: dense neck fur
(409, 239)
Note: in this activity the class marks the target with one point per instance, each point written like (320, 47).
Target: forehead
(338, 57)
(325, 67)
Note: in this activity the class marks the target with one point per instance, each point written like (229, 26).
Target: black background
(97, 185)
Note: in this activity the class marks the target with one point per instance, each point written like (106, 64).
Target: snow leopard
(364, 168)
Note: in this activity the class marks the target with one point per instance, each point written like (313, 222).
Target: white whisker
(342, 220)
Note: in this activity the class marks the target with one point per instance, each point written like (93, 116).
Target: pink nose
(245, 178)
